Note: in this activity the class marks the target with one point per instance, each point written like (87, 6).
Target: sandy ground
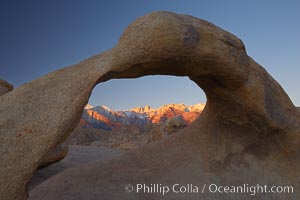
(77, 155)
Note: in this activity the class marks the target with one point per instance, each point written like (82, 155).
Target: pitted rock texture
(59, 151)
(247, 133)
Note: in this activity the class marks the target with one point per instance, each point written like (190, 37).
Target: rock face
(60, 150)
(247, 133)
(162, 130)
(175, 123)
(57, 154)
(5, 87)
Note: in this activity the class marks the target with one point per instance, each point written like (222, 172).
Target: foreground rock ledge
(248, 132)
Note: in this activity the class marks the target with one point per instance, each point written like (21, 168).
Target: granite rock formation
(60, 150)
(175, 123)
(162, 130)
(56, 154)
(5, 87)
(247, 133)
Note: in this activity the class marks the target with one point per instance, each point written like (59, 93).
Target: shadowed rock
(5, 87)
(248, 132)
(76, 155)
(58, 153)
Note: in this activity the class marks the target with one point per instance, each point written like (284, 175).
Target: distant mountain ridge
(147, 109)
(102, 117)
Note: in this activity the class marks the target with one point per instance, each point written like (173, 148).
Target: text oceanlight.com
(211, 188)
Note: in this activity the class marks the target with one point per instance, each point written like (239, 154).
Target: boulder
(174, 124)
(166, 128)
(248, 132)
(157, 133)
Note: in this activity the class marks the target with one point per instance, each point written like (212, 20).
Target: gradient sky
(38, 37)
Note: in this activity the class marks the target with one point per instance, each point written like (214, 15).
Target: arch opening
(169, 104)
(130, 113)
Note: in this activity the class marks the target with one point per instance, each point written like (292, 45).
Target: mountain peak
(104, 118)
(105, 108)
(88, 106)
(144, 109)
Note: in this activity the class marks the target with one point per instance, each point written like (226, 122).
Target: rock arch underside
(248, 132)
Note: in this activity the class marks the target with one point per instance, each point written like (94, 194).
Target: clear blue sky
(38, 37)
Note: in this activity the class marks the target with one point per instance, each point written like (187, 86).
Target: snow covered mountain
(102, 117)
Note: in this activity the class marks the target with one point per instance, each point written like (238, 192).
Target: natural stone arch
(249, 125)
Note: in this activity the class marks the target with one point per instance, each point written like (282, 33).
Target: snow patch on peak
(132, 114)
(106, 108)
(88, 106)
